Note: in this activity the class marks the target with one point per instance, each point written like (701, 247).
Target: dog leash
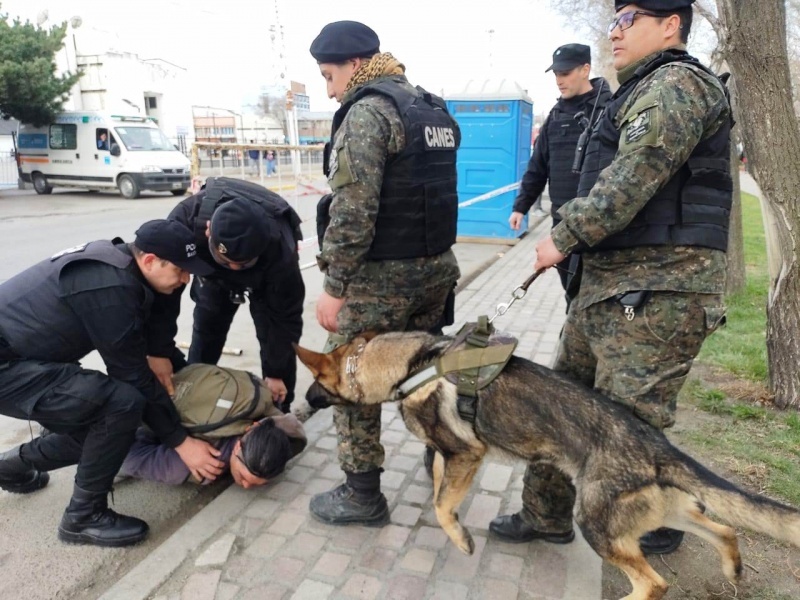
(518, 293)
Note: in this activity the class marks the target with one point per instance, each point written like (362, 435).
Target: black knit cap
(240, 230)
(342, 40)
(656, 5)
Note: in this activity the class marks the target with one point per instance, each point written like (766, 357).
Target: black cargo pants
(92, 418)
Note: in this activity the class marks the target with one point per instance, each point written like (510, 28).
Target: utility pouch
(633, 301)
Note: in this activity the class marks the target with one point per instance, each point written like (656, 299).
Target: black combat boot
(88, 520)
(17, 476)
(661, 541)
(513, 529)
(358, 501)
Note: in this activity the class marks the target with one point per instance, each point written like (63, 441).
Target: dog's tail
(734, 505)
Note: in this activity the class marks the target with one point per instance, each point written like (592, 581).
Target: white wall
(116, 81)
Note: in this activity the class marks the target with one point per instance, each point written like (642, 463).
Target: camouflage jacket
(371, 132)
(693, 106)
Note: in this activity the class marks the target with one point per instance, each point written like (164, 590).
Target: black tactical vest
(34, 319)
(692, 208)
(418, 207)
(563, 132)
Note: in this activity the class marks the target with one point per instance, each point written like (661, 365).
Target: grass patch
(740, 347)
(760, 445)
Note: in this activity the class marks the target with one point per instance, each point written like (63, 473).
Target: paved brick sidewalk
(263, 544)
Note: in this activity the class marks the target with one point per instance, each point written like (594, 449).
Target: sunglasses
(625, 20)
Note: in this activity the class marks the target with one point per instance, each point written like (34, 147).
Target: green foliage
(30, 90)
(740, 347)
(764, 439)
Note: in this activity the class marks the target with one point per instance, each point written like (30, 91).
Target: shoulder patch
(638, 128)
(341, 172)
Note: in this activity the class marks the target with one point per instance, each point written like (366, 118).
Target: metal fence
(8, 169)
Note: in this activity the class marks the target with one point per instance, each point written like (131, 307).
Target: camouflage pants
(641, 363)
(358, 428)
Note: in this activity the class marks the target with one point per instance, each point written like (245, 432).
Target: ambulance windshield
(138, 139)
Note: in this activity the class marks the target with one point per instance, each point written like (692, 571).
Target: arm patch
(642, 124)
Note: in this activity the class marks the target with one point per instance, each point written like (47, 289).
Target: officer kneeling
(91, 297)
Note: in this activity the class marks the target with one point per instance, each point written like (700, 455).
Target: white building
(121, 82)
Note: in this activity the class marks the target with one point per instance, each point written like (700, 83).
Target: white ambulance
(100, 151)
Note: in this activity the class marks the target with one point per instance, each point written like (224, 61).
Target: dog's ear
(315, 361)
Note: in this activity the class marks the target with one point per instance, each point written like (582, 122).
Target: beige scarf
(379, 65)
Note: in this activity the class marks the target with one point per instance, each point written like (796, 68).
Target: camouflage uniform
(385, 295)
(641, 363)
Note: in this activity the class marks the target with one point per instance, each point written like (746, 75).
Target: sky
(226, 45)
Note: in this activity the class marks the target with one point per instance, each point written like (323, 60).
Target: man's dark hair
(266, 449)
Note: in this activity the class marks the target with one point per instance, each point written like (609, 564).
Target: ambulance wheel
(127, 187)
(178, 192)
(40, 184)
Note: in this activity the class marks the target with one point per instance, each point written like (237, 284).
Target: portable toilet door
(495, 118)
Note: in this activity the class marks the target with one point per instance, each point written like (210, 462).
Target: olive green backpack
(214, 402)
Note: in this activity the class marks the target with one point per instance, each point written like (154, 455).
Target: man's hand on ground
(200, 458)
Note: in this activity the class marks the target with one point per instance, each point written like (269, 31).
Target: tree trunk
(735, 276)
(757, 53)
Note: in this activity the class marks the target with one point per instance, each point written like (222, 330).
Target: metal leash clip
(518, 293)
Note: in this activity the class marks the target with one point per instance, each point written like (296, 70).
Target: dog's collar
(351, 366)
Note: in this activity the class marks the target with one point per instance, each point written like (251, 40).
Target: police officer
(554, 154)
(248, 237)
(92, 297)
(651, 222)
(387, 252)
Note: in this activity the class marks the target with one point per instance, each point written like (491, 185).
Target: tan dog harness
(477, 355)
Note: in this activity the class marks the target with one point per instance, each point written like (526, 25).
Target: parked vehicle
(99, 151)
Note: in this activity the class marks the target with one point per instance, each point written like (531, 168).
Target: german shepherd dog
(628, 478)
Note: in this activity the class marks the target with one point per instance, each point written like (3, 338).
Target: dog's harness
(477, 355)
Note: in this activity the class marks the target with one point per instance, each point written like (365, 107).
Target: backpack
(214, 402)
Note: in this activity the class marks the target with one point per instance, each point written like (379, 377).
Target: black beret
(569, 56)
(342, 40)
(655, 5)
(240, 230)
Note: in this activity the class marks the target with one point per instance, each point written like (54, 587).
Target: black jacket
(552, 157)
(275, 287)
(91, 297)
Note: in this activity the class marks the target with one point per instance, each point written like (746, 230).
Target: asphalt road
(34, 563)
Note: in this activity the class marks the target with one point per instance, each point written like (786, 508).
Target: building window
(63, 137)
(151, 102)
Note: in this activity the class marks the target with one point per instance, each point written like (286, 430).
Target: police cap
(661, 6)
(569, 56)
(342, 40)
(172, 241)
(240, 230)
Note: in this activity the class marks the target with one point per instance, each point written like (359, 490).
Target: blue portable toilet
(495, 117)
